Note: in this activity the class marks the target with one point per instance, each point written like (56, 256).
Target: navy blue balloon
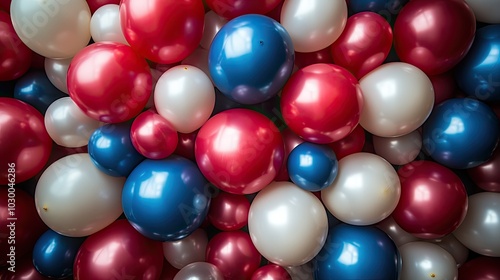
(478, 74)
(166, 199)
(357, 252)
(312, 167)
(251, 58)
(389, 9)
(36, 89)
(54, 254)
(111, 150)
(461, 133)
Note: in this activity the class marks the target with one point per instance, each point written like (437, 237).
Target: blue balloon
(111, 150)
(312, 167)
(357, 252)
(389, 9)
(37, 90)
(461, 133)
(166, 199)
(251, 58)
(54, 254)
(478, 74)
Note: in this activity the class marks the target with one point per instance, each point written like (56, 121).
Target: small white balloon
(105, 25)
(57, 72)
(486, 11)
(424, 260)
(199, 271)
(213, 23)
(187, 250)
(395, 232)
(399, 150)
(451, 244)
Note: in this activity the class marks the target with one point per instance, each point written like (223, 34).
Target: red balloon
(276, 14)
(24, 270)
(24, 141)
(229, 211)
(364, 44)
(234, 254)
(352, 143)
(444, 86)
(305, 59)
(434, 35)
(96, 4)
(118, 252)
(291, 140)
(480, 268)
(433, 200)
(230, 9)
(185, 144)
(5, 5)
(240, 151)
(168, 272)
(487, 175)
(271, 272)
(15, 56)
(109, 82)
(163, 31)
(322, 103)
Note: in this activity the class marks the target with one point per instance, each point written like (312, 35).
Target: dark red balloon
(433, 200)
(24, 270)
(434, 35)
(271, 272)
(352, 143)
(5, 5)
(291, 141)
(168, 272)
(96, 4)
(229, 211)
(305, 59)
(487, 175)
(230, 9)
(153, 136)
(276, 14)
(444, 86)
(185, 144)
(15, 56)
(480, 268)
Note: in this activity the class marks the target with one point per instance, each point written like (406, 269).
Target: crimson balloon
(229, 211)
(185, 144)
(271, 272)
(487, 175)
(305, 59)
(96, 4)
(230, 9)
(480, 268)
(14, 54)
(352, 143)
(444, 86)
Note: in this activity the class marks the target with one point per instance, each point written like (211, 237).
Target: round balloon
(105, 24)
(395, 232)
(36, 89)
(485, 175)
(271, 272)
(199, 270)
(480, 268)
(229, 211)
(445, 87)
(399, 150)
(352, 143)
(57, 72)
(424, 260)
(291, 140)
(185, 145)
(484, 10)
(451, 244)
(212, 24)
(188, 250)
(96, 4)
(234, 8)
(15, 55)
(305, 59)
(199, 59)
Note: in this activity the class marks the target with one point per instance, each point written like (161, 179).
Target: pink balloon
(153, 136)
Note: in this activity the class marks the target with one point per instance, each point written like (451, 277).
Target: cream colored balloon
(57, 72)
(395, 232)
(366, 191)
(105, 25)
(75, 199)
(424, 260)
(487, 11)
(399, 150)
(187, 250)
(199, 271)
(52, 28)
(213, 23)
(398, 98)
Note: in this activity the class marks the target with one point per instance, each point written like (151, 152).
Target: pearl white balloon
(395, 232)
(399, 150)
(185, 96)
(57, 72)
(451, 244)
(301, 272)
(187, 250)
(213, 23)
(199, 271)
(287, 224)
(75, 199)
(398, 98)
(199, 59)
(486, 11)
(366, 191)
(424, 260)
(313, 24)
(52, 28)
(105, 24)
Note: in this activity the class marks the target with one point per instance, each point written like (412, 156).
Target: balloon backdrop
(399, 150)
(423, 260)
(188, 250)
(57, 72)
(485, 175)
(15, 55)
(105, 24)
(199, 270)
(228, 211)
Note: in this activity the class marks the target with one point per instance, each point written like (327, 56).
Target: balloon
(118, 252)
(75, 199)
(485, 175)
(53, 28)
(24, 270)
(185, 96)
(212, 24)
(122, 89)
(163, 41)
(67, 125)
(312, 167)
(229, 211)
(283, 214)
(366, 190)
(389, 9)
(168, 272)
(353, 252)
(313, 24)
(301, 272)
(188, 250)
(461, 133)
(484, 10)
(96, 4)
(199, 59)
(54, 254)
(271, 272)
(322, 103)
(423, 260)
(451, 244)
(478, 74)
(428, 44)
(233, 254)
(305, 59)
(395, 232)
(223, 103)
(57, 72)
(479, 230)
(291, 141)
(15, 55)
(199, 271)
(398, 99)
(105, 24)
(364, 44)
(250, 40)
(230, 9)
(352, 143)
(239, 151)
(399, 150)
(167, 199)
(185, 145)
(480, 268)
(444, 86)
(25, 144)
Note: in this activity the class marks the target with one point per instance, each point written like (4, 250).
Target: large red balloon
(322, 103)
(434, 35)
(239, 150)
(118, 252)
(15, 56)
(271, 272)
(480, 268)
(230, 9)
(109, 82)
(364, 44)
(163, 31)
(433, 200)
(229, 211)
(487, 175)
(291, 141)
(352, 143)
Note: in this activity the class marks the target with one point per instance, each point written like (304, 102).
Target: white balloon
(451, 244)
(366, 191)
(399, 150)
(187, 250)
(424, 260)
(57, 72)
(301, 272)
(185, 96)
(75, 199)
(199, 59)
(398, 98)
(487, 11)
(395, 232)
(105, 24)
(213, 23)
(52, 28)
(313, 24)
(287, 224)
(199, 271)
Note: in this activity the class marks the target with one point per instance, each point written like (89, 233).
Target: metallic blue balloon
(478, 74)
(312, 167)
(54, 254)
(36, 89)
(357, 252)
(389, 9)
(461, 133)
(111, 150)
(166, 199)
(251, 58)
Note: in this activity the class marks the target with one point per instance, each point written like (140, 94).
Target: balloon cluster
(263, 139)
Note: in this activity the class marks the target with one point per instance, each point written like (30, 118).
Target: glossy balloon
(230, 9)
(199, 59)
(451, 244)
(484, 10)
(96, 4)
(199, 271)
(185, 145)
(305, 271)
(188, 250)
(305, 59)
(24, 270)
(395, 232)
(398, 150)
(212, 24)
(389, 9)
(105, 24)
(480, 268)
(352, 143)
(423, 260)
(36, 89)
(228, 211)
(271, 272)
(291, 141)
(485, 175)
(57, 72)
(445, 87)
(15, 55)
